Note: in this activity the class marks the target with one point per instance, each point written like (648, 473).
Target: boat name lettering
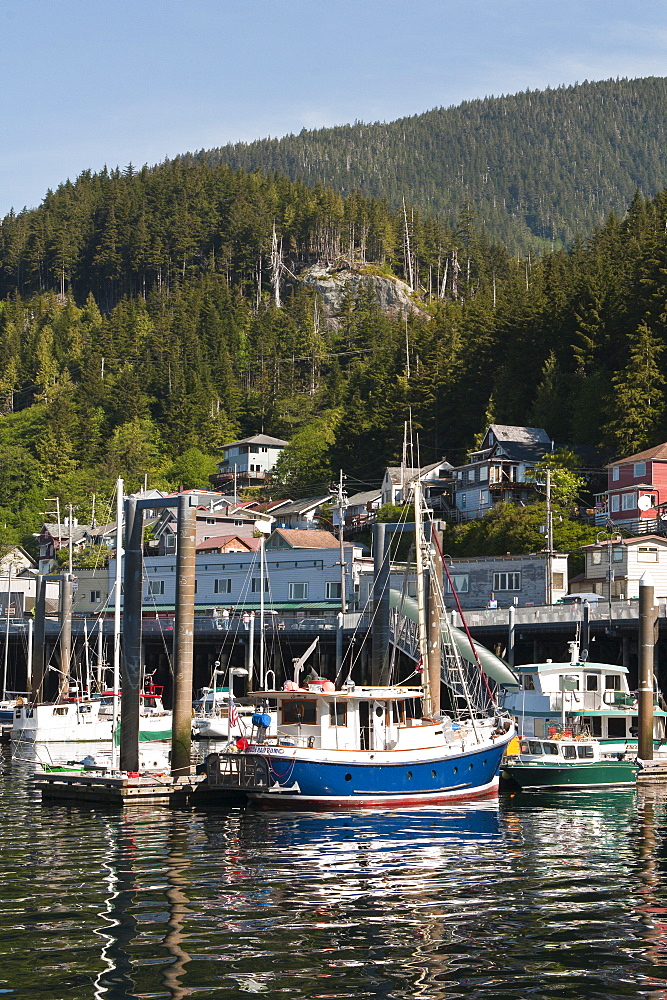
(254, 749)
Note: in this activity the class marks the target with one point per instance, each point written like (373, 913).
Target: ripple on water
(527, 897)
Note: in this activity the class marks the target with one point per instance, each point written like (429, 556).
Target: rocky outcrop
(334, 283)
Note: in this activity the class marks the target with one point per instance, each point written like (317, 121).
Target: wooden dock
(123, 790)
(653, 772)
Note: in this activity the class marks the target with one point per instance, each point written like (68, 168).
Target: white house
(620, 563)
(247, 462)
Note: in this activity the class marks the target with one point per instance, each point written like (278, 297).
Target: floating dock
(123, 790)
(653, 772)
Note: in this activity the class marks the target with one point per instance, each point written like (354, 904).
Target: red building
(636, 490)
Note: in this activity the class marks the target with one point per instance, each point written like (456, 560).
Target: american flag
(232, 712)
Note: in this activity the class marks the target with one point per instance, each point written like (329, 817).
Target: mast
(4, 672)
(116, 623)
(421, 602)
(261, 611)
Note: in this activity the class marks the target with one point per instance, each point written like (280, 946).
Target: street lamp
(610, 540)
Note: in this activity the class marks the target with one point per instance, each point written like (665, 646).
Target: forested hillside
(148, 317)
(540, 167)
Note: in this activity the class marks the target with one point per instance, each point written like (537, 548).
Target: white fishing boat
(583, 698)
(218, 716)
(88, 720)
(372, 746)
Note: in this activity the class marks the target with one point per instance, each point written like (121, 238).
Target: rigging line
(460, 611)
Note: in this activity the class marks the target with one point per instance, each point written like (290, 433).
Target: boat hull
(596, 774)
(305, 780)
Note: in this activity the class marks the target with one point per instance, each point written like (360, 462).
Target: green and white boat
(562, 764)
(587, 697)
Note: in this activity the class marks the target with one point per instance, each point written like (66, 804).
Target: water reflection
(533, 896)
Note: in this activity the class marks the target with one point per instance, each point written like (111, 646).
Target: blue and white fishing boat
(372, 746)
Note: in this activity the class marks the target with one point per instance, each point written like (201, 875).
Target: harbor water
(521, 897)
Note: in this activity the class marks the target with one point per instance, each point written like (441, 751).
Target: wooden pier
(653, 772)
(123, 790)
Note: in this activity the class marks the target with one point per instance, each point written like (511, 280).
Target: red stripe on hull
(328, 805)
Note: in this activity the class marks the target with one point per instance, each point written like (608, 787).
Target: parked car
(580, 598)
(314, 625)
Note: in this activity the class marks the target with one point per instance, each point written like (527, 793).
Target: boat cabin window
(585, 752)
(568, 682)
(591, 682)
(615, 727)
(299, 713)
(528, 682)
(337, 713)
(595, 725)
(612, 682)
(533, 747)
(62, 710)
(550, 749)
(570, 753)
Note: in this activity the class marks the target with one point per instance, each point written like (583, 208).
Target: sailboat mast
(4, 672)
(421, 597)
(261, 612)
(116, 622)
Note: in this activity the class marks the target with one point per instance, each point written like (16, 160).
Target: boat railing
(550, 614)
(237, 770)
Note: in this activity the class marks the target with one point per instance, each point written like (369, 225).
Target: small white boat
(88, 720)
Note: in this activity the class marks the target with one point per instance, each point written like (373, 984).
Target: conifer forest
(148, 316)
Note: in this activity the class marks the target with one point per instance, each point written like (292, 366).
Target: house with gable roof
(636, 496)
(497, 471)
(247, 462)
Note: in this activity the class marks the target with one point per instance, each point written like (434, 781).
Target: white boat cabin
(557, 751)
(360, 718)
(592, 697)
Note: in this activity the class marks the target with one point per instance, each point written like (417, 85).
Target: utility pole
(550, 541)
(342, 498)
(70, 541)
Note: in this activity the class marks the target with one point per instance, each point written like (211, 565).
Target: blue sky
(92, 82)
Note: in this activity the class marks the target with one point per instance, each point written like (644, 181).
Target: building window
(483, 498)
(298, 591)
(647, 553)
(170, 541)
(596, 557)
(460, 583)
(617, 555)
(629, 501)
(256, 585)
(95, 596)
(155, 588)
(222, 586)
(471, 475)
(333, 590)
(558, 581)
(615, 502)
(616, 473)
(639, 469)
(464, 499)
(507, 581)
(483, 473)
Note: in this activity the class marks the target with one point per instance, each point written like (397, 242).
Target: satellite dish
(644, 502)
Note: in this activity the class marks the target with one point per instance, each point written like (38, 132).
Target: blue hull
(322, 784)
